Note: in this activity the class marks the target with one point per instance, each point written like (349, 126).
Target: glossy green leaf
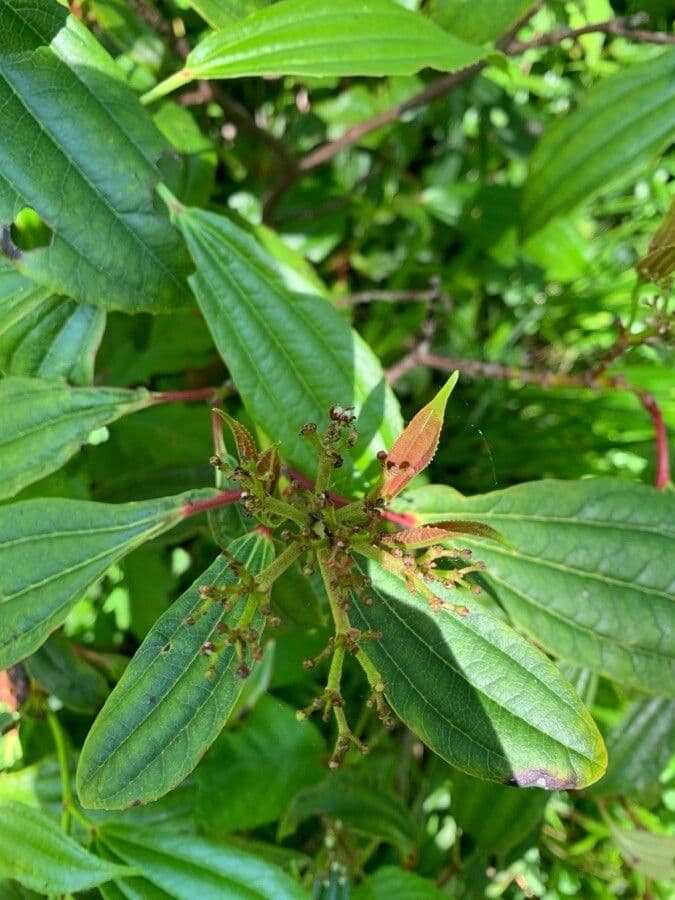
(60, 671)
(58, 87)
(391, 883)
(588, 569)
(45, 422)
(291, 355)
(188, 867)
(221, 13)
(53, 550)
(242, 760)
(478, 20)
(173, 699)
(35, 852)
(478, 694)
(354, 797)
(639, 748)
(44, 335)
(310, 37)
(624, 121)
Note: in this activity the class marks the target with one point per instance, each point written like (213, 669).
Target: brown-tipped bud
(285, 535)
(308, 664)
(382, 456)
(243, 671)
(274, 621)
(216, 461)
(337, 461)
(207, 648)
(189, 620)
(308, 570)
(205, 591)
(308, 428)
(221, 628)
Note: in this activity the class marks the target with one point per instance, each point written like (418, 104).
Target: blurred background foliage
(418, 232)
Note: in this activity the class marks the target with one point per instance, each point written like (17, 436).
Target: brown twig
(442, 86)
(324, 153)
(208, 91)
(625, 28)
(432, 294)
(414, 356)
(591, 380)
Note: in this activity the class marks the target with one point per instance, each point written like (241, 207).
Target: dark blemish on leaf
(540, 778)
(136, 803)
(167, 647)
(152, 699)
(7, 246)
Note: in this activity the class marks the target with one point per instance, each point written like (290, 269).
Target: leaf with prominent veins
(176, 693)
(53, 550)
(588, 570)
(478, 694)
(45, 422)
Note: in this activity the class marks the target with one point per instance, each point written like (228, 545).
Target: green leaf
(588, 569)
(109, 245)
(354, 797)
(291, 355)
(53, 550)
(624, 121)
(639, 748)
(478, 21)
(220, 13)
(60, 671)
(242, 760)
(36, 853)
(649, 853)
(43, 335)
(391, 883)
(478, 694)
(308, 37)
(43, 423)
(173, 699)
(187, 867)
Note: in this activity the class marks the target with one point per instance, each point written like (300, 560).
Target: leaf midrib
(499, 703)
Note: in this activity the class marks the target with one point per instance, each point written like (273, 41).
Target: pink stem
(223, 499)
(207, 393)
(661, 437)
(405, 520)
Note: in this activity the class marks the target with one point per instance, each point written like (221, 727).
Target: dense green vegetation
(259, 637)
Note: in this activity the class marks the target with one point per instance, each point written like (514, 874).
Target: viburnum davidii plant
(402, 600)
(258, 637)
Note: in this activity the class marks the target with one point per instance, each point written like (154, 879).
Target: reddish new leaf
(243, 439)
(427, 535)
(414, 449)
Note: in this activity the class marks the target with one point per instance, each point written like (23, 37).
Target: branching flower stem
(269, 575)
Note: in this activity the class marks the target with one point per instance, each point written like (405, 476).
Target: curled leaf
(414, 449)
